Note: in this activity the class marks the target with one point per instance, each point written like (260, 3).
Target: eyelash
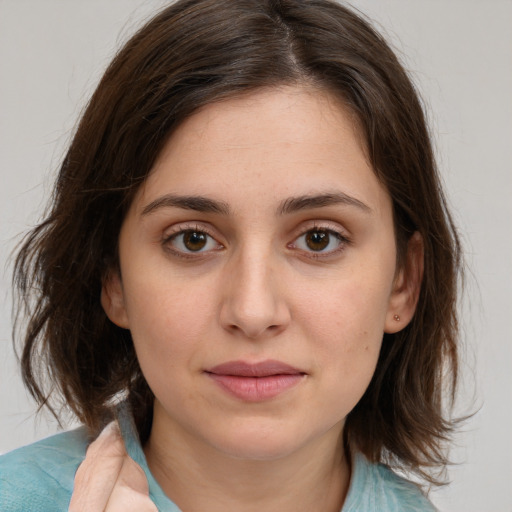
(342, 238)
(181, 230)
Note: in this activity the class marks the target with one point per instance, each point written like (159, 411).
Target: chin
(258, 450)
(259, 442)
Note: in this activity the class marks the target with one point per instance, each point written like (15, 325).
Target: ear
(406, 287)
(112, 299)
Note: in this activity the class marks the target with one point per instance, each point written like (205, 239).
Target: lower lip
(256, 389)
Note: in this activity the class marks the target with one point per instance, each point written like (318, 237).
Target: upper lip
(261, 369)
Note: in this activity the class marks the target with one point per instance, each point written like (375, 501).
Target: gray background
(52, 53)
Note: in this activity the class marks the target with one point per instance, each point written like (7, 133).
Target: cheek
(345, 325)
(349, 309)
(167, 320)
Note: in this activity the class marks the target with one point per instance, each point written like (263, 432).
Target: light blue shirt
(39, 477)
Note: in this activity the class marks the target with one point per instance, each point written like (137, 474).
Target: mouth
(255, 382)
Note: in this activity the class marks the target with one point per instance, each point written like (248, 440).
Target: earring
(397, 318)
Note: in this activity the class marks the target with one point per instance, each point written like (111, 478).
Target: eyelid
(326, 225)
(188, 226)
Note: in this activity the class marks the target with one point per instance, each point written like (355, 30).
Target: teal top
(39, 477)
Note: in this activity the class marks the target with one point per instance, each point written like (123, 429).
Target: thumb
(108, 478)
(131, 490)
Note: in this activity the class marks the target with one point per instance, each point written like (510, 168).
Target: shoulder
(375, 487)
(40, 476)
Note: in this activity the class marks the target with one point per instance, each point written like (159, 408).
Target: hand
(109, 480)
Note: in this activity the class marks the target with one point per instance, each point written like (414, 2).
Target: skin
(108, 480)
(258, 291)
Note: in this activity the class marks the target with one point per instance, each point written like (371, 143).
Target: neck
(200, 478)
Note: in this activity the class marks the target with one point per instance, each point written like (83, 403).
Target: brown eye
(191, 241)
(317, 240)
(194, 240)
(321, 241)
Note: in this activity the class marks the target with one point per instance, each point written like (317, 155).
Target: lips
(255, 382)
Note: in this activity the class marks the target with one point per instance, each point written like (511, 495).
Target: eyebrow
(290, 205)
(309, 202)
(196, 203)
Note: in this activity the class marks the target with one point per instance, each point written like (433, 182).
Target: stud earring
(397, 318)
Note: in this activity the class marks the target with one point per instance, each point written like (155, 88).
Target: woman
(249, 252)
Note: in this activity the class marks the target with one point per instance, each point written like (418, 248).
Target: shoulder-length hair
(193, 53)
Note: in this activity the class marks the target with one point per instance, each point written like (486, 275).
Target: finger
(98, 473)
(128, 500)
(131, 490)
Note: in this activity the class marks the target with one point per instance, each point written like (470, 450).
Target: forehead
(271, 143)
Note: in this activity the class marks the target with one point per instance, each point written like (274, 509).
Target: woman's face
(258, 275)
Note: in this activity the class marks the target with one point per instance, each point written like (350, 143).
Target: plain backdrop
(459, 52)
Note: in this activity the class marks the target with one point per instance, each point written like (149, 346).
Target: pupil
(317, 240)
(194, 240)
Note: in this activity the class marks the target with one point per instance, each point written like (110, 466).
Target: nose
(253, 305)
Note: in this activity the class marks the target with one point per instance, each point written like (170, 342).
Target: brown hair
(193, 53)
